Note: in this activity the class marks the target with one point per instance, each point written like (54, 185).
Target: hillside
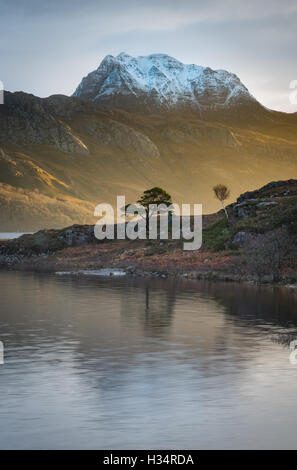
(259, 243)
(75, 152)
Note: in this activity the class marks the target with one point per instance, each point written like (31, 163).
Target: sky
(46, 47)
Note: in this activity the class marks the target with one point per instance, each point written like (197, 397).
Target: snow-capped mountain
(159, 81)
(135, 129)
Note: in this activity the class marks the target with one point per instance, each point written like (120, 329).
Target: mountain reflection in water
(140, 363)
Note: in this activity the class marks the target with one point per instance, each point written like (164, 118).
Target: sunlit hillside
(76, 155)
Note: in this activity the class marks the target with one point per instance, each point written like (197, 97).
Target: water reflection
(152, 308)
(107, 363)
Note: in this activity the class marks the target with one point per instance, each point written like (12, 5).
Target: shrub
(267, 253)
(218, 236)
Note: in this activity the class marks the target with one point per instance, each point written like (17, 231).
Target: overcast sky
(46, 47)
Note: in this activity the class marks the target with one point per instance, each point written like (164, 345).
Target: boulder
(243, 238)
(266, 204)
(243, 210)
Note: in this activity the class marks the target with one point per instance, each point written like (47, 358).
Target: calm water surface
(11, 235)
(96, 363)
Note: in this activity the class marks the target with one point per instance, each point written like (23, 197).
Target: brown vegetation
(258, 244)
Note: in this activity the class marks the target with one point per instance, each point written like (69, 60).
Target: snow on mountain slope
(161, 81)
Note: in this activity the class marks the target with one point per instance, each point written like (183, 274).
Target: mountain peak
(161, 82)
(123, 55)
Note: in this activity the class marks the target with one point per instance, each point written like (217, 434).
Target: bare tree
(267, 253)
(222, 193)
(255, 257)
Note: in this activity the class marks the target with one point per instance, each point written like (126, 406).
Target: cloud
(119, 16)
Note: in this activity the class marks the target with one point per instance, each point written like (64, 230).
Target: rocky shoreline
(257, 244)
(50, 264)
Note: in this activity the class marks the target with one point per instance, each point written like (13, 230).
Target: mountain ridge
(160, 82)
(60, 156)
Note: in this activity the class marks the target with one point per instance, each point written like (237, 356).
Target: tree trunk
(147, 218)
(227, 216)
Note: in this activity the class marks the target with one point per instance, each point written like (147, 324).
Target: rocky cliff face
(159, 82)
(25, 120)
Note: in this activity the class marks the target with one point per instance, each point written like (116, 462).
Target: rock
(75, 237)
(243, 210)
(243, 238)
(265, 190)
(267, 278)
(28, 122)
(49, 241)
(266, 204)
